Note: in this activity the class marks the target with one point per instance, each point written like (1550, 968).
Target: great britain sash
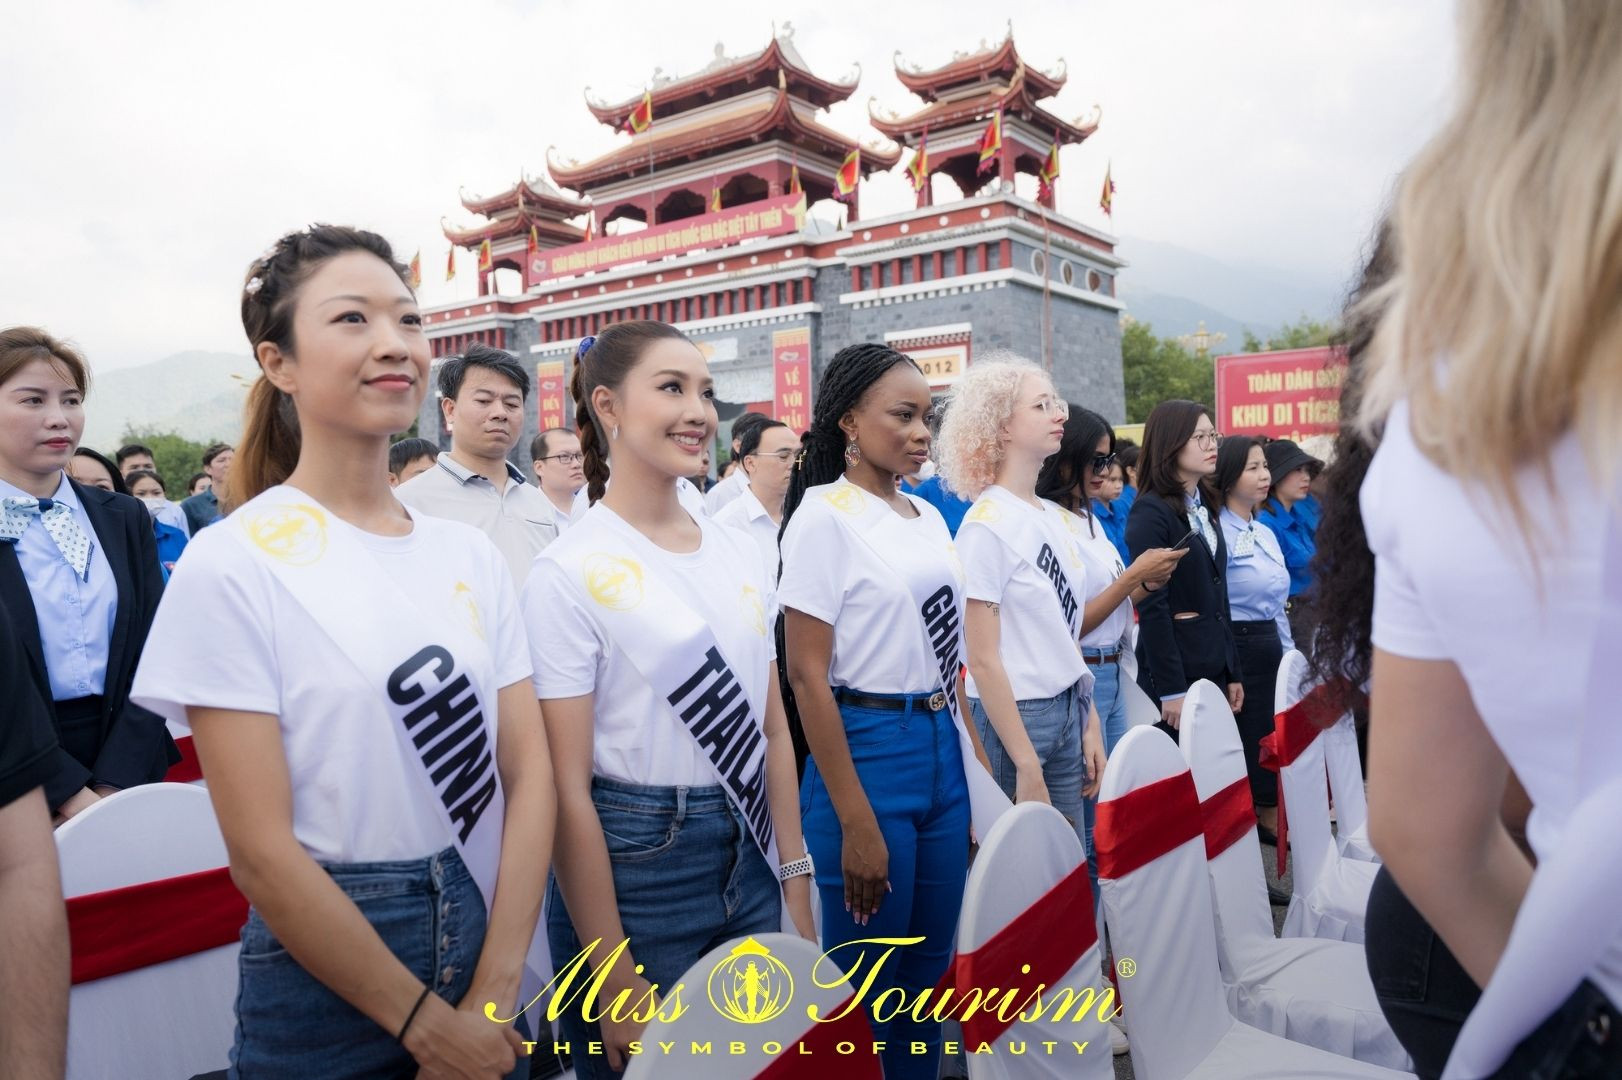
(672, 646)
(1042, 540)
(936, 600)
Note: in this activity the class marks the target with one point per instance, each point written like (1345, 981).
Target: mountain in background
(196, 394)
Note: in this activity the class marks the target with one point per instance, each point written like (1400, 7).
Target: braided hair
(850, 374)
(605, 360)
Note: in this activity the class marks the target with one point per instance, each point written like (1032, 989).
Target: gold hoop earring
(853, 454)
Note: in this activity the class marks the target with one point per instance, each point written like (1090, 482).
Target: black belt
(79, 708)
(934, 702)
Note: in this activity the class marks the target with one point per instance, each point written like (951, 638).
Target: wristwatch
(796, 868)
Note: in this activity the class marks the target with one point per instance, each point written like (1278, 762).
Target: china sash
(937, 603)
(673, 648)
(1051, 554)
(432, 676)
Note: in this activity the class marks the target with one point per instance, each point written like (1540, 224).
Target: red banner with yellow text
(1287, 394)
(549, 393)
(791, 367)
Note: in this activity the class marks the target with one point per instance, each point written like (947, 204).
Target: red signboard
(767, 217)
(549, 393)
(791, 365)
(1287, 394)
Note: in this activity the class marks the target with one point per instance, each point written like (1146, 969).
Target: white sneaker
(1117, 1037)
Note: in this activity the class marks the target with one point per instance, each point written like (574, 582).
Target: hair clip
(253, 286)
(585, 346)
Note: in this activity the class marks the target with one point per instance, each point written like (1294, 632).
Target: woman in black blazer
(1184, 632)
(79, 574)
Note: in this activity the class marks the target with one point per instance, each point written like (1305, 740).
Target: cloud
(152, 147)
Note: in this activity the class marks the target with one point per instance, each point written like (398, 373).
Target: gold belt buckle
(937, 701)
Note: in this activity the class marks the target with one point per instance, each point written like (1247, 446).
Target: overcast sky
(149, 149)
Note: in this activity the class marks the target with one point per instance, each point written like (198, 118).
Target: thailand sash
(1037, 539)
(672, 647)
(433, 677)
(937, 602)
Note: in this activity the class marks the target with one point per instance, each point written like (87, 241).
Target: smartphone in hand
(1184, 542)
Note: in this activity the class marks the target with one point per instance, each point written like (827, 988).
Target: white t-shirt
(687, 493)
(227, 635)
(831, 574)
(726, 492)
(1103, 561)
(636, 737)
(1038, 653)
(746, 514)
(1454, 581)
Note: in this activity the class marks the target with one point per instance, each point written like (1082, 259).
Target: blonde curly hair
(969, 446)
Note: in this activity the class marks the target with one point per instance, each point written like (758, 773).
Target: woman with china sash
(657, 674)
(356, 681)
(872, 594)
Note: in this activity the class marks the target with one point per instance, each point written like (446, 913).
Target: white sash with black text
(673, 648)
(936, 585)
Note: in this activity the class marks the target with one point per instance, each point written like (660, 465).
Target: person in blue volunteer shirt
(1294, 521)
(933, 490)
(1110, 506)
(147, 486)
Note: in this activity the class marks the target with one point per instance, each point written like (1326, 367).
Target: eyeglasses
(1103, 461)
(1053, 407)
(785, 455)
(1206, 440)
(573, 457)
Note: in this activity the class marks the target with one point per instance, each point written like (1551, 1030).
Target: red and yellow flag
(534, 241)
(485, 261)
(1107, 199)
(794, 185)
(450, 264)
(1049, 171)
(641, 117)
(918, 171)
(715, 199)
(849, 173)
(991, 142)
(591, 226)
(415, 270)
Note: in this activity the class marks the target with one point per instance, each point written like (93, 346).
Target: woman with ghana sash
(1030, 692)
(868, 571)
(373, 947)
(1491, 508)
(657, 676)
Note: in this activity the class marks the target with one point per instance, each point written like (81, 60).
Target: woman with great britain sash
(657, 675)
(357, 684)
(1030, 691)
(872, 595)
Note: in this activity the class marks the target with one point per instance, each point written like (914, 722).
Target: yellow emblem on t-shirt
(614, 582)
(754, 610)
(470, 607)
(293, 533)
(985, 511)
(847, 498)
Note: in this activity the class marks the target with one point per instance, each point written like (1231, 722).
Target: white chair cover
(1346, 788)
(1309, 991)
(1161, 919)
(1330, 894)
(702, 1023)
(172, 1019)
(1028, 852)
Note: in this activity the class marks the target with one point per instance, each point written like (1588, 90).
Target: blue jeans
(1054, 726)
(430, 915)
(688, 876)
(1111, 706)
(911, 769)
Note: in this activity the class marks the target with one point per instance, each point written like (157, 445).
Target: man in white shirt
(556, 458)
(482, 393)
(733, 486)
(766, 460)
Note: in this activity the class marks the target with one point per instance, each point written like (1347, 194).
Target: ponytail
(594, 461)
(270, 445)
(605, 360)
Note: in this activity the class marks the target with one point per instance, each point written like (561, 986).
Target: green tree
(1304, 333)
(1159, 369)
(177, 457)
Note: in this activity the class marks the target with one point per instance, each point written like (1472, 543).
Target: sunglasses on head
(1103, 461)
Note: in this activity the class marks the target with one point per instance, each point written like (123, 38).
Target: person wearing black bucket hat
(1293, 471)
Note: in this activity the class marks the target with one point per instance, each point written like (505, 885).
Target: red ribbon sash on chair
(1227, 816)
(1141, 826)
(138, 926)
(808, 1060)
(1048, 937)
(188, 768)
(1294, 730)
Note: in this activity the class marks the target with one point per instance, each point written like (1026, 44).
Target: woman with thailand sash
(872, 594)
(356, 682)
(1030, 692)
(657, 674)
